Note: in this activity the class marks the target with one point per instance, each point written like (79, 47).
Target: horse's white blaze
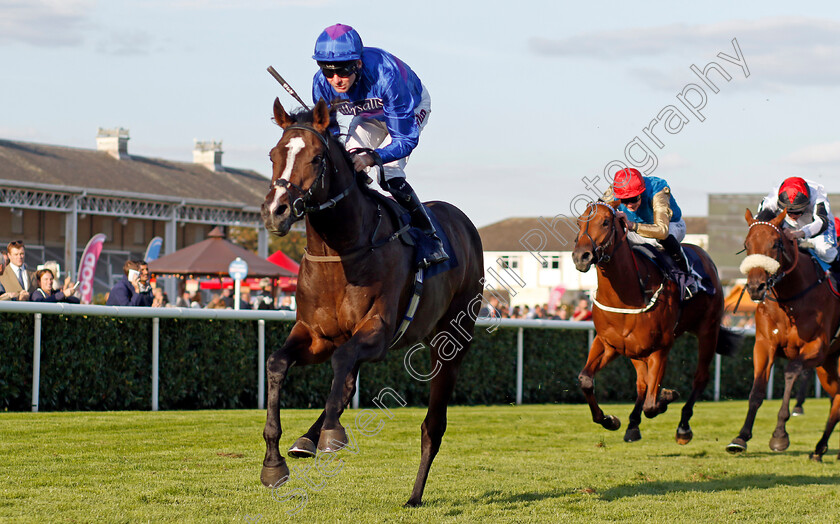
(764, 262)
(294, 146)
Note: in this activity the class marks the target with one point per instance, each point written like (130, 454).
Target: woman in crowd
(46, 293)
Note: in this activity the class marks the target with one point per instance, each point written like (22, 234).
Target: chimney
(208, 154)
(113, 141)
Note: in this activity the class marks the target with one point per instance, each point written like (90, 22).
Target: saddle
(691, 283)
(412, 236)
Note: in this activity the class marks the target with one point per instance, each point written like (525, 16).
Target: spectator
(562, 312)
(159, 298)
(264, 298)
(244, 298)
(227, 298)
(3, 294)
(582, 311)
(145, 284)
(46, 293)
(285, 303)
(183, 300)
(216, 302)
(126, 292)
(16, 280)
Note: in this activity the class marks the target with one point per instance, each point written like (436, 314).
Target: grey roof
(91, 169)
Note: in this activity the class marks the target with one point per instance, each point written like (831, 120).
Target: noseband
(601, 255)
(300, 206)
(779, 246)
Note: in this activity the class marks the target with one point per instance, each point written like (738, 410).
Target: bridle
(779, 247)
(300, 205)
(601, 255)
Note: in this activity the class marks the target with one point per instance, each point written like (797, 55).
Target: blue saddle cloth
(668, 268)
(423, 245)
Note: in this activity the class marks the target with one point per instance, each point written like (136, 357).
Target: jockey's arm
(819, 224)
(661, 217)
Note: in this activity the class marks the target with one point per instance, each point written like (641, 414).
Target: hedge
(103, 363)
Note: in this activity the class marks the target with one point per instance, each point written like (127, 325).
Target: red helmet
(794, 195)
(628, 183)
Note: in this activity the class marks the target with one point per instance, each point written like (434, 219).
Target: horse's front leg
(780, 440)
(600, 354)
(656, 401)
(296, 349)
(369, 343)
(763, 355)
(304, 447)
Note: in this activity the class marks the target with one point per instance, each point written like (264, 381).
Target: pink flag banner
(87, 267)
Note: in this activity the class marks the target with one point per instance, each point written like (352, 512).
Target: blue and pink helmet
(338, 43)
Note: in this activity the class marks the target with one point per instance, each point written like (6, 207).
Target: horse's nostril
(280, 210)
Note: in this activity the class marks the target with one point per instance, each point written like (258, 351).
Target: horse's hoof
(798, 411)
(817, 458)
(332, 440)
(684, 436)
(667, 396)
(779, 443)
(302, 448)
(611, 423)
(412, 503)
(738, 445)
(632, 435)
(275, 476)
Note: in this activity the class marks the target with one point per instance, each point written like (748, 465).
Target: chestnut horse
(354, 286)
(638, 314)
(796, 318)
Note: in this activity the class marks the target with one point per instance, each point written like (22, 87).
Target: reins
(300, 206)
(782, 273)
(601, 257)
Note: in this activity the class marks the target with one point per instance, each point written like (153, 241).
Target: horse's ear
(749, 217)
(779, 218)
(281, 118)
(321, 116)
(615, 203)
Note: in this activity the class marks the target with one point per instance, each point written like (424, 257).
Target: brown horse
(638, 314)
(354, 287)
(796, 318)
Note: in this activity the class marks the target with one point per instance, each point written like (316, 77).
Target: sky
(532, 101)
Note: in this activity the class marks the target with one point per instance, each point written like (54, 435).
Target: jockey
(381, 105)
(651, 212)
(808, 215)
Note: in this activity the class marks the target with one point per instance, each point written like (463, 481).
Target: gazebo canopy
(283, 260)
(212, 257)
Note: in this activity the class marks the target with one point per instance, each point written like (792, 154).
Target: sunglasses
(633, 200)
(343, 72)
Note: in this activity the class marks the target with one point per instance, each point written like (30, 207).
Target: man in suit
(16, 278)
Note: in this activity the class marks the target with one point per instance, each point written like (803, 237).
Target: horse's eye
(605, 223)
(317, 159)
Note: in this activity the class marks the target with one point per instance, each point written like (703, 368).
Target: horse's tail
(729, 341)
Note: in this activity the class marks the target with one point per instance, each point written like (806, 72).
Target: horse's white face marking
(764, 262)
(294, 147)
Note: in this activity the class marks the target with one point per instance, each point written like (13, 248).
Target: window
(508, 261)
(139, 232)
(17, 221)
(552, 262)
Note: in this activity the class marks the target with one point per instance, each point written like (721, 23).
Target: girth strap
(412, 308)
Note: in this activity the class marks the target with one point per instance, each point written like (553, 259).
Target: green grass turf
(544, 463)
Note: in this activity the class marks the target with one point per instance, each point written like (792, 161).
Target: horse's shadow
(734, 483)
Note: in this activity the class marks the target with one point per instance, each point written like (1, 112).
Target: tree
(292, 244)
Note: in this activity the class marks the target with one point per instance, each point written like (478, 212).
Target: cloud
(45, 23)
(785, 50)
(815, 155)
(126, 43)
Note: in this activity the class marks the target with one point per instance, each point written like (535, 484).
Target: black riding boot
(406, 196)
(674, 250)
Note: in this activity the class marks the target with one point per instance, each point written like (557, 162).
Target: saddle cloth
(697, 280)
(423, 245)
